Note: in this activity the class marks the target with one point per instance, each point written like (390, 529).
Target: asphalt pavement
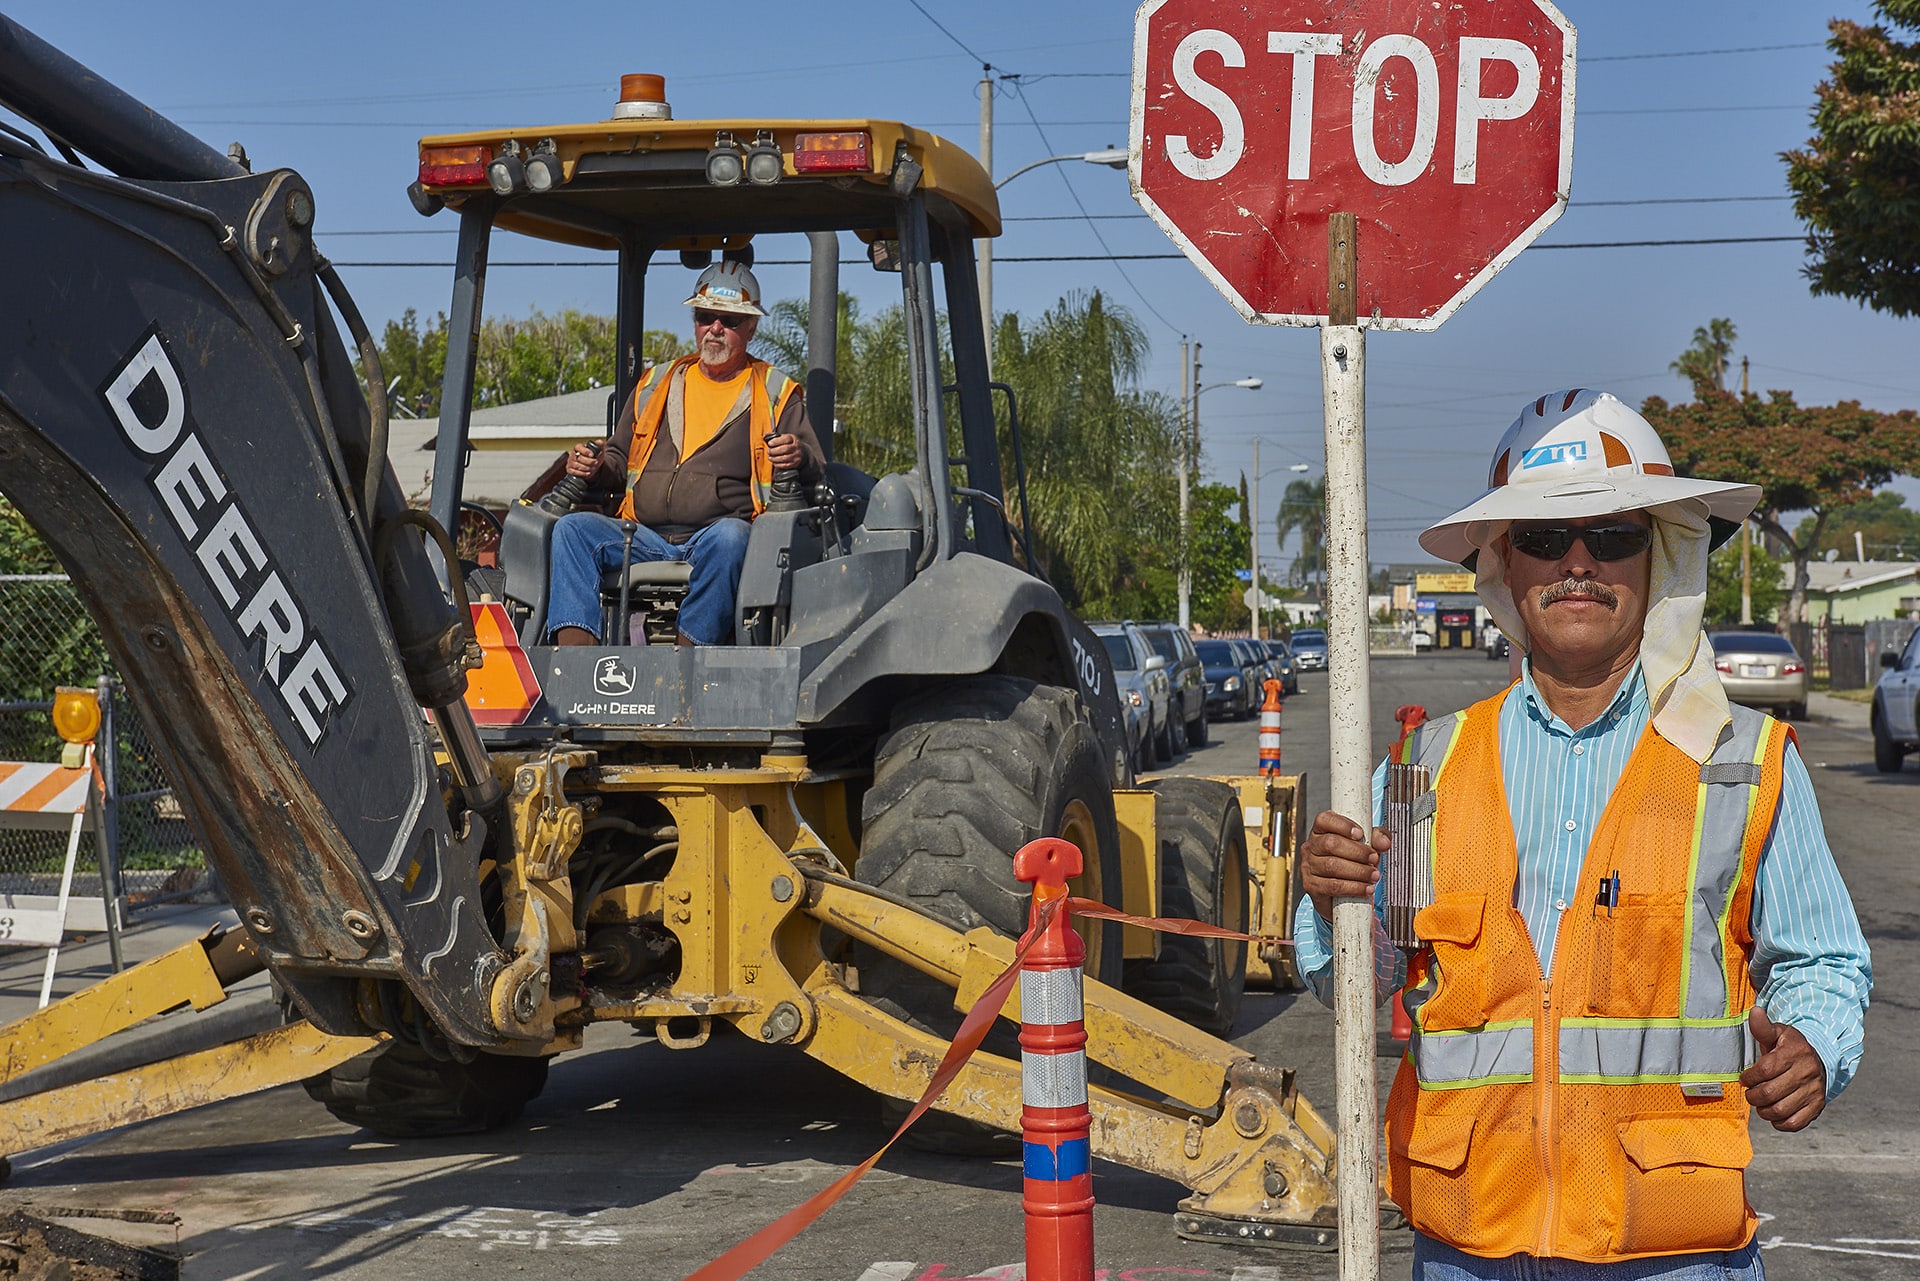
(641, 1161)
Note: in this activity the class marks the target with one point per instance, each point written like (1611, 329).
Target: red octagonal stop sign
(1445, 126)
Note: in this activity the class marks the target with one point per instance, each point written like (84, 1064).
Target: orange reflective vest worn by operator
(660, 399)
(1596, 1115)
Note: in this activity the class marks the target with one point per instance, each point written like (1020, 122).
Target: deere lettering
(149, 402)
(1573, 451)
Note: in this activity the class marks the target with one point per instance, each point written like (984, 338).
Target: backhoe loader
(454, 845)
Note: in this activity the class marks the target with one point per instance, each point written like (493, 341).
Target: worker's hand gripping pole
(1054, 1118)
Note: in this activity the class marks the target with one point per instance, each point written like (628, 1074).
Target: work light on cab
(505, 173)
(724, 165)
(848, 152)
(543, 169)
(763, 162)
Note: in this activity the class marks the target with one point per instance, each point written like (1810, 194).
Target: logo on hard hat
(1572, 451)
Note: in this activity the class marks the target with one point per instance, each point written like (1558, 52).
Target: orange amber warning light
(454, 166)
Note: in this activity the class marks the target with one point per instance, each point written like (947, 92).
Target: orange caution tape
(1165, 924)
(756, 1249)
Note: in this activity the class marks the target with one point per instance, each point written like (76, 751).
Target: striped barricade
(45, 797)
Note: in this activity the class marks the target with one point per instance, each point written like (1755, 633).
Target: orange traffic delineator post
(1055, 1121)
(1270, 730)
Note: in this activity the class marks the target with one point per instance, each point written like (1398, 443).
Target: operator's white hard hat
(727, 286)
(1580, 453)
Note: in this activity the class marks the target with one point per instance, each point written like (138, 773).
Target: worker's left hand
(1787, 1085)
(786, 453)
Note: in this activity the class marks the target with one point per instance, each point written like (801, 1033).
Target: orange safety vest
(663, 400)
(1596, 1115)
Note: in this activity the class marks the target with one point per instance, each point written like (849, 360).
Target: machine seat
(654, 574)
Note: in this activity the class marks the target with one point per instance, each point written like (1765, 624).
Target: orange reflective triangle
(503, 691)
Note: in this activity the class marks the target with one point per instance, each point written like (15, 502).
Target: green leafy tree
(1767, 591)
(1814, 458)
(516, 360)
(22, 551)
(1888, 529)
(1704, 364)
(1856, 184)
(1219, 550)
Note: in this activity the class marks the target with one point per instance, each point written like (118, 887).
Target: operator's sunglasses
(1604, 542)
(727, 319)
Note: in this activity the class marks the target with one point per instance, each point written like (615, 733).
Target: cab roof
(626, 173)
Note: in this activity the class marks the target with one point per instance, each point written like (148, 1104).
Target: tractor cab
(820, 629)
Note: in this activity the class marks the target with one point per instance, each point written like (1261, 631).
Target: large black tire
(1887, 754)
(1203, 877)
(1163, 749)
(968, 774)
(398, 1092)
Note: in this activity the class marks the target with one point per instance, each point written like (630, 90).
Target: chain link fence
(48, 640)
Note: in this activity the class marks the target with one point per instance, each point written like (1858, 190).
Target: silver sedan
(1761, 669)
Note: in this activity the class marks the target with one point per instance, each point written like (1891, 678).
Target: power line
(1116, 258)
(1699, 53)
(948, 34)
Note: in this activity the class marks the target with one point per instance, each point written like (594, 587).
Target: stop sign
(1445, 127)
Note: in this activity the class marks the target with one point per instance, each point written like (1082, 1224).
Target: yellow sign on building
(1425, 583)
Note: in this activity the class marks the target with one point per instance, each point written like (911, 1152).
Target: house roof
(512, 444)
(1837, 576)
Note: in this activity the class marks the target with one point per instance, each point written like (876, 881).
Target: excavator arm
(181, 421)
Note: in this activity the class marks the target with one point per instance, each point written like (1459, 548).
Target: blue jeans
(1436, 1261)
(587, 545)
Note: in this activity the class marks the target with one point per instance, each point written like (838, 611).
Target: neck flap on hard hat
(1688, 701)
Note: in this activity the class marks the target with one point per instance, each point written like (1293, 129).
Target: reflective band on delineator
(1053, 1080)
(1050, 997)
(1445, 1058)
(1607, 1050)
(1728, 788)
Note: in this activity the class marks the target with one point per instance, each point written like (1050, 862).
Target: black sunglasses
(1604, 542)
(727, 319)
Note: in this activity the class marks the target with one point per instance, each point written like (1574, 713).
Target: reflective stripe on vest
(1729, 788)
(1451, 1060)
(1602, 1051)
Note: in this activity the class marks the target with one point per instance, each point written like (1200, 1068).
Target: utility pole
(1746, 571)
(1182, 578)
(1253, 539)
(985, 246)
(1743, 375)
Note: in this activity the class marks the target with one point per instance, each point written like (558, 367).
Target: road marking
(492, 1227)
(1777, 1244)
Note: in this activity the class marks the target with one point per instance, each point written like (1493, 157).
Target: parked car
(1309, 648)
(1187, 722)
(1283, 661)
(1230, 678)
(1896, 707)
(1422, 639)
(1761, 669)
(1141, 676)
(1498, 646)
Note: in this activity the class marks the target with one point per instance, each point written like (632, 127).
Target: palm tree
(1303, 510)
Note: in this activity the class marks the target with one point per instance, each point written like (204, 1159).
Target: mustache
(1586, 588)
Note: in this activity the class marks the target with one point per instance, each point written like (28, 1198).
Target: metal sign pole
(1343, 349)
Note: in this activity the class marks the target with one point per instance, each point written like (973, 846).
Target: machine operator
(699, 445)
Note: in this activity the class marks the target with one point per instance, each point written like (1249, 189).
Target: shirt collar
(1629, 700)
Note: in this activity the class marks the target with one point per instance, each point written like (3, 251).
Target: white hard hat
(727, 286)
(1581, 453)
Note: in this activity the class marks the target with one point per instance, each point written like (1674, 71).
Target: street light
(1110, 157)
(1189, 450)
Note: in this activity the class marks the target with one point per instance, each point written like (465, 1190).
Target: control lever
(787, 494)
(566, 495)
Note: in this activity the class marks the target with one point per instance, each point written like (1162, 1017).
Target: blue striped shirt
(1810, 965)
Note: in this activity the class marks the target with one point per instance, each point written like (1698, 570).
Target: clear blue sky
(342, 91)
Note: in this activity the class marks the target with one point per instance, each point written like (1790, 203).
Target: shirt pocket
(1684, 1183)
(1637, 948)
(1450, 926)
